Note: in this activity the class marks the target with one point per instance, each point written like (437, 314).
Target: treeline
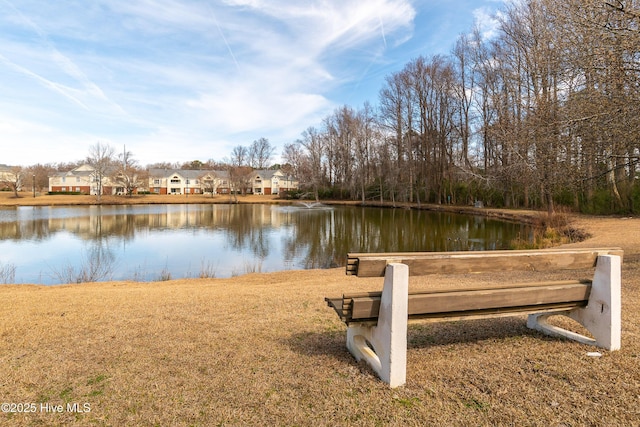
(544, 113)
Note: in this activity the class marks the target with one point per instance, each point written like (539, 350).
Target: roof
(184, 173)
(82, 170)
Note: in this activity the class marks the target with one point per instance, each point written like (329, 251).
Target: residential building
(84, 180)
(7, 177)
(271, 181)
(79, 180)
(184, 181)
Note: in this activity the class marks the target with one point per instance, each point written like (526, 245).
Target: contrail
(62, 61)
(224, 39)
(62, 90)
(384, 37)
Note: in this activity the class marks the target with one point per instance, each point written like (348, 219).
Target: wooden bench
(377, 321)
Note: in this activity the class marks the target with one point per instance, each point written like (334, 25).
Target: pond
(50, 245)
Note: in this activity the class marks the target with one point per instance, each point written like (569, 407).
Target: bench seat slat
(423, 263)
(469, 302)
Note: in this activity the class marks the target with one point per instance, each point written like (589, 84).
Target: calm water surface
(50, 245)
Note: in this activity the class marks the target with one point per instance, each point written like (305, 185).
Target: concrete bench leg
(384, 346)
(602, 315)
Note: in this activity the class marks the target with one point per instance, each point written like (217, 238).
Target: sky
(182, 80)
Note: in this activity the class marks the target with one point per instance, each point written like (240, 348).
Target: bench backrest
(424, 263)
(459, 303)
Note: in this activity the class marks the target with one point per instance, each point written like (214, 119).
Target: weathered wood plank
(424, 263)
(470, 302)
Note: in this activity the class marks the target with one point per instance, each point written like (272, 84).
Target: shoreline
(8, 199)
(583, 226)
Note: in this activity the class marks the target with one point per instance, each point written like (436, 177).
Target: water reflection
(155, 242)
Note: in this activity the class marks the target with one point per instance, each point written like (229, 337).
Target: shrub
(65, 193)
(548, 231)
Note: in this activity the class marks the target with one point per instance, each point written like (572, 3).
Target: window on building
(175, 180)
(156, 182)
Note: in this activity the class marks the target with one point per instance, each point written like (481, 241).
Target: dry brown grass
(263, 349)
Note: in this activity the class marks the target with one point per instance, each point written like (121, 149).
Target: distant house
(270, 181)
(79, 180)
(7, 175)
(84, 180)
(184, 181)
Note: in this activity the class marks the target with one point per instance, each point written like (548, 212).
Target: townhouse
(79, 180)
(83, 180)
(182, 181)
(185, 181)
(7, 175)
(271, 181)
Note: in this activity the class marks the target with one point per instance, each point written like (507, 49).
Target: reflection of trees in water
(247, 226)
(21, 230)
(7, 273)
(327, 237)
(314, 233)
(96, 263)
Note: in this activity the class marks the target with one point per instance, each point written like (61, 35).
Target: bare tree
(13, 179)
(101, 158)
(127, 174)
(394, 120)
(311, 165)
(39, 175)
(293, 155)
(238, 172)
(259, 153)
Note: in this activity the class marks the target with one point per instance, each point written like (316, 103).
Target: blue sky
(179, 80)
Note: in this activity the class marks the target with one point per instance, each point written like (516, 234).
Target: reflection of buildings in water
(93, 222)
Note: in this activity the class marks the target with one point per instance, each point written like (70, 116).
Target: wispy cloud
(56, 87)
(77, 87)
(189, 73)
(487, 22)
